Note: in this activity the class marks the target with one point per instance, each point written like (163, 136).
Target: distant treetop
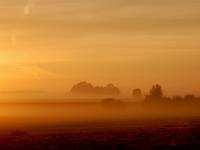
(87, 88)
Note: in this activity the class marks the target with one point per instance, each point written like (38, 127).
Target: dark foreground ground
(163, 134)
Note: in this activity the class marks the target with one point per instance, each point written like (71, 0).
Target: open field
(177, 133)
(96, 127)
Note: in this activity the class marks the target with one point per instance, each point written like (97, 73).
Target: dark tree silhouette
(137, 93)
(82, 87)
(87, 88)
(111, 89)
(156, 93)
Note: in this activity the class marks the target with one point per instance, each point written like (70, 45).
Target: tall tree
(156, 92)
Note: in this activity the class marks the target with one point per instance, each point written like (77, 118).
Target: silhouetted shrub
(177, 98)
(189, 97)
(137, 93)
(109, 101)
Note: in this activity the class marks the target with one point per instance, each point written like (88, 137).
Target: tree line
(155, 93)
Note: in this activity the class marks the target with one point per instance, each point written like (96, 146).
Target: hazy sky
(48, 45)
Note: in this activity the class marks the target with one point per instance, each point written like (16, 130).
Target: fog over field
(41, 115)
(99, 74)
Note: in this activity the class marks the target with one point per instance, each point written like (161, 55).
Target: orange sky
(49, 45)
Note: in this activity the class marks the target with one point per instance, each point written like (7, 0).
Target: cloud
(13, 40)
(39, 73)
(29, 72)
(30, 4)
(22, 92)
